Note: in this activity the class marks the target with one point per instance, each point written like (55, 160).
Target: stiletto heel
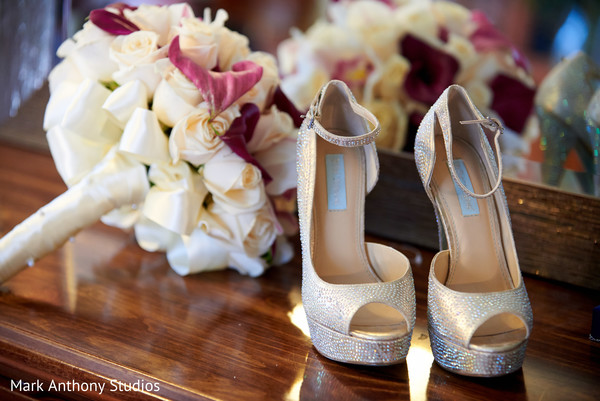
(359, 298)
(478, 311)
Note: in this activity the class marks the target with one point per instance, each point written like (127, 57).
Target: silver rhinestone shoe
(359, 298)
(478, 312)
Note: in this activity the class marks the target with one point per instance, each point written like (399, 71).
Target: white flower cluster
(207, 207)
(398, 57)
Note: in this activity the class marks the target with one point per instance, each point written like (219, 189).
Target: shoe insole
(477, 262)
(339, 254)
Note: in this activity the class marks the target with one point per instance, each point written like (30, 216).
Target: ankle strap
(345, 141)
(491, 124)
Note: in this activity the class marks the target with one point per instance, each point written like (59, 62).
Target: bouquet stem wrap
(116, 181)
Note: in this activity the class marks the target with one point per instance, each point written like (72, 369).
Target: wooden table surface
(101, 310)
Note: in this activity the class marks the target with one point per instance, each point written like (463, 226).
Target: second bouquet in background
(399, 58)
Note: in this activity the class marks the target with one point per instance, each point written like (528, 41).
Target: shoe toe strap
(334, 305)
(458, 315)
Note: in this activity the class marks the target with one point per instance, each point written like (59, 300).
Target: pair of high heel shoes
(359, 298)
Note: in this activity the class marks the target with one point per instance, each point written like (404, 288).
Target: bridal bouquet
(398, 58)
(169, 124)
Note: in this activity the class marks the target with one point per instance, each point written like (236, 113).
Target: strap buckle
(491, 123)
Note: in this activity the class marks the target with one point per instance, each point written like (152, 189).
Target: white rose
(74, 155)
(153, 237)
(287, 53)
(235, 185)
(331, 43)
(263, 91)
(302, 86)
(60, 99)
(65, 71)
(284, 251)
(80, 132)
(136, 54)
(416, 18)
(198, 252)
(175, 199)
(90, 33)
(136, 48)
(197, 42)
(159, 19)
(462, 49)
(390, 78)
(231, 47)
(196, 137)
(144, 139)
(80, 111)
(123, 101)
(374, 21)
(480, 94)
(272, 127)
(280, 162)
(454, 17)
(176, 96)
(484, 69)
(89, 52)
(244, 264)
(393, 122)
(262, 232)
(254, 231)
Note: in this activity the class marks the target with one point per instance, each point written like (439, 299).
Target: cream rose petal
(123, 101)
(92, 59)
(74, 155)
(175, 199)
(135, 48)
(85, 115)
(153, 237)
(271, 128)
(254, 232)
(143, 138)
(231, 48)
(393, 120)
(145, 73)
(60, 99)
(196, 137)
(198, 252)
(65, 71)
(151, 18)
(244, 264)
(178, 81)
(169, 106)
(197, 42)
(280, 161)
(235, 185)
(263, 91)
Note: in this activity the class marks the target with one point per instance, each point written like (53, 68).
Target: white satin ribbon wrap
(124, 100)
(115, 181)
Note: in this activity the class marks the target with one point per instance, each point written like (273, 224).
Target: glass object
(27, 30)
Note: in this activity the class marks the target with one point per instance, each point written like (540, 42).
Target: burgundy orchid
(512, 100)
(353, 71)
(487, 38)
(431, 70)
(112, 23)
(220, 89)
(281, 101)
(240, 133)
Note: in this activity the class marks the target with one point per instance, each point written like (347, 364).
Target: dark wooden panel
(557, 234)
